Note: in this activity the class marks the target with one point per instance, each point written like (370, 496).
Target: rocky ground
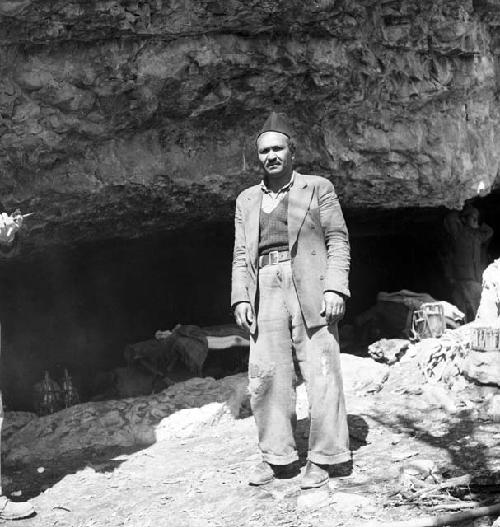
(403, 430)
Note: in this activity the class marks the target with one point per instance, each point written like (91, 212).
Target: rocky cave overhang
(120, 118)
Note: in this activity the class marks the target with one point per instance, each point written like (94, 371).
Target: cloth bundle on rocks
(152, 355)
(186, 344)
(150, 362)
(190, 346)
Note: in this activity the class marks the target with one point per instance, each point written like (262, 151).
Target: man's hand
(333, 307)
(244, 315)
(9, 225)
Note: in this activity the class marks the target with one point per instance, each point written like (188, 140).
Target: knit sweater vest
(273, 232)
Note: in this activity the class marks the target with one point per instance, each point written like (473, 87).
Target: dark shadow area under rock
(79, 308)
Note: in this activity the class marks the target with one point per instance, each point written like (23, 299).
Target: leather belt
(273, 258)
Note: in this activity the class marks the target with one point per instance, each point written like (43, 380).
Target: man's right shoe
(261, 474)
(15, 510)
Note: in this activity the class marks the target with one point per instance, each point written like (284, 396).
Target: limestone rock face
(183, 409)
(121, 117)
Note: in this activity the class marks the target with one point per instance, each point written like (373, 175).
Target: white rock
(437, 395)
(421, 468)
(312, 499)
(348, 502)
(482, 367)
(493, 408)
(411, 354)
(189, 422)
(362, 373)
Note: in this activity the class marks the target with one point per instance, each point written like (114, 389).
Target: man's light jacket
(317, 238)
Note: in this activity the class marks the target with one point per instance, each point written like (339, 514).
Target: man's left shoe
(261, 474)
(314, 476)
(15, 510)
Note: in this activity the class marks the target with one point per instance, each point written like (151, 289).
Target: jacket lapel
(253, 205)
(299, 200)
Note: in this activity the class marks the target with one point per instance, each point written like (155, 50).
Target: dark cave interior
(77, 309)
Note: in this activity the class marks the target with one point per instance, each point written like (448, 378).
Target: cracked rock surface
(118, 117)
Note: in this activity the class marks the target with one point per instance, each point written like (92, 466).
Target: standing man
(9, 226)
(289, 286)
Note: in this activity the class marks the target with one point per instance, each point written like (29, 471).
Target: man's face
(275, 155)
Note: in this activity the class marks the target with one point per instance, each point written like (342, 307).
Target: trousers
(272, 380)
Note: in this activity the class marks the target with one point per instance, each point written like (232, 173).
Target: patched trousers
(272, 380)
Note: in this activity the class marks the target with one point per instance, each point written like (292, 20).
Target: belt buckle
(274, 257)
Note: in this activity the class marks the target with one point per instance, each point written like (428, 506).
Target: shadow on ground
(358, 432)
(33, 479)
(465, 444)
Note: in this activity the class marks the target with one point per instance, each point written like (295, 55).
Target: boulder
(493, 408)
(190, 422)
(127, 422)
(388, 350)
(482, 367)
(362, 374)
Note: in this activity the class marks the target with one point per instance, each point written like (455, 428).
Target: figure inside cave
(466, 258)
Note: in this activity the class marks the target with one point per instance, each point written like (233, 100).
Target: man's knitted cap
(276, 123)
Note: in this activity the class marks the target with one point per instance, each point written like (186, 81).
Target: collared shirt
(270, 199)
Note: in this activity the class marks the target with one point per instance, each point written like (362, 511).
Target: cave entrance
(79, 308)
